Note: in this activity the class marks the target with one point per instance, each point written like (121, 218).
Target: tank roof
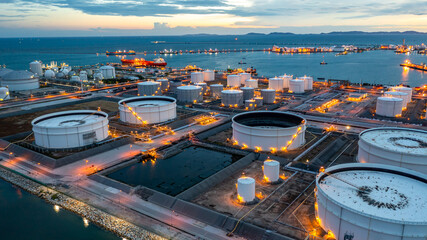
(232, 91)
(402, 140)
(189, 87)
(18, 75)
(385, 193)
(246, 180)
(396, 93)
(69, 119)
(390, 99)
(4, 71)
(149, 83)
(148, 101)
(268, 119)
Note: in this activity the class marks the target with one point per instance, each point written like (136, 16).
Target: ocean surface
(25, 216)
(376, 67)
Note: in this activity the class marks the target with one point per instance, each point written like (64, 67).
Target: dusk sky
(45, 18)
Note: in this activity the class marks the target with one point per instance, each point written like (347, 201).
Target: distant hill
(329, 33)
(374, 33)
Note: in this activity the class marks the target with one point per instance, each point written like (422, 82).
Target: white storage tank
(98, 76)
(244, 77)
(403, 95)
(269, 130)
(258, 101)
(149, 88)
(246, 189)
(36, 68)
(232, 98)
(271, 169)
(403, 147)
(164, 84)
(197, 77)
(20, 81)
(286, 78)
(216, 90)
(108, 72)
(4, 71)
(208, 75)
(296, 86)
(147, 110)
(268, 96)
(308, 83)
(4, 93)
(61, 75)
(65, 72)
(276, 84)
(70, 129)
(250, 104)
(389, 106)
(233, 80)
(251, 83)
(49, 74)
(75, 78)
(248, 93)
(204, 87)
(174, 85)
(83, 75)
(407, 90)
(372, 201)
(189, 94)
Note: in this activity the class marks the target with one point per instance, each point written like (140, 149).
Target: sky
(52, 18)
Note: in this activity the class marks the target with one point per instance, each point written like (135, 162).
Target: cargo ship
(408, 64)
(141, 62)
(130, 52)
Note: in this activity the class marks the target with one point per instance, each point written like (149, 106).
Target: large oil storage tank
(20, 80)
(233, 80)
(286, 78)
(296, 86)
(407, 90)
(197, 77)
(36, 68)
(83, 75)
(174, 84)
(232, 98)
(75, 78)
(204, 87)
(276, 84)
(216, 90)
(251, 83)
(164, 84)
(372, 201)
(208, 75)
(4, 71)
(4, 93)
(108, 72)
(149, 88)
(70, 129)
(147, 110)
(189, 94)
(403, 95)
(402, 147)
(49, 74)
(269, 130)
(308, 82)
(244, 77)
(248, 93)
(268, 96)
(389, 106)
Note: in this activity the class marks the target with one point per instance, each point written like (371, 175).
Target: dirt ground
(22, 123)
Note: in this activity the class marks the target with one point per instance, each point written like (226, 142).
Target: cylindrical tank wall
(251, 83)
(244, 77)
(246, 189)
(276, 84)
(403, 95)
(149, 88)
(164, 84)
(271, 170)
(233, 80)
(389, 106)
(268, 96)
(189, 94)
(216, 90)
(208, 75)
(296, 86)
(197, 77)
(150, 109)
(248, 93)
(232, 98)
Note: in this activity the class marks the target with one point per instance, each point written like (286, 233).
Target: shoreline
(115, 225)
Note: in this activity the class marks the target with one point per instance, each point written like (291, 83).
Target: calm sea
(377, 67)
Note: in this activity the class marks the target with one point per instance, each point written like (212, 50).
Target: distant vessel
(408, 64)
(119, 52)
(323, 62)
(158, 62)
(157, 42)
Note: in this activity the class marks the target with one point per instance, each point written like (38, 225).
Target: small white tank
(296, 86)
(248, 93)
(75, 78)
(149, 88)
(232, 98)
(246, 189)
(271, 170)
(308, 83)
(268, 96)
(36, 68)
(49, 74)
(251, 83)
(108, 72)
(286, 78)
(204, 87)
(250, 104)
(216, 90)
(98, 76)
(197, 77)
(244, 77)
(403, 95)
(208, 75)
(276, 84)
(389, 106)
(189, 94)
(83, 75)
(164, 84)
(258, 101)
(233, 80)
